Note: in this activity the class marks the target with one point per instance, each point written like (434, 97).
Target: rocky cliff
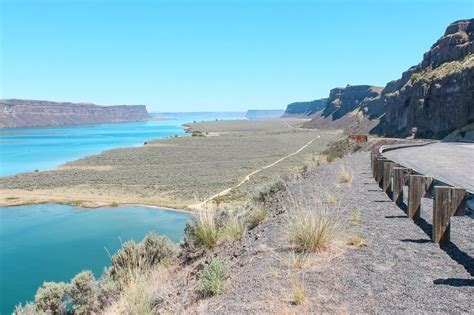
(436, 96)
(350, 108)
(29, 113)
(305, 108)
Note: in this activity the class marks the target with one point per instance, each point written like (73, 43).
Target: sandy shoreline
(174, 173)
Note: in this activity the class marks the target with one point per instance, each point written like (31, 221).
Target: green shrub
(415, 77)
(109, 289)
(267, 189)
(214, 277)
(84, 293)
(158, 249)
(27, 309)
(52, 297)
(197, 134)
(153, 250)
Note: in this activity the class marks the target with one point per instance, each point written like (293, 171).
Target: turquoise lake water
(28, 149)
(54, 242)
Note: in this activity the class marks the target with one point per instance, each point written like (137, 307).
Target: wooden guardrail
(448, 201)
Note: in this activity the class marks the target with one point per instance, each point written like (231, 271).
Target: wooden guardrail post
(373, 157)
(448, 201)
(418, 187)
(400, 179)
(379, 169)
(387, 175)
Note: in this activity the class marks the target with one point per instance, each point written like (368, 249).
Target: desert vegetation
(314, 223)
(130, 266)
(173, 172)
(214, 277)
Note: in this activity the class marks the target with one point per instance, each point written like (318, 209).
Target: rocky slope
(436, 96)
(305, 108)
(350, 108)
(29, 113)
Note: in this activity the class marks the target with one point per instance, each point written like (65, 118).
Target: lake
(29, 149)
(54, 242)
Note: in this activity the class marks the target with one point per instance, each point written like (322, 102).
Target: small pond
(54, 242)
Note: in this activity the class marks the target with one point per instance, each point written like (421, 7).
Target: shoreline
(175, 172)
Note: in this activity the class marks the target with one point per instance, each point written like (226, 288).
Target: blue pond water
(54, 242)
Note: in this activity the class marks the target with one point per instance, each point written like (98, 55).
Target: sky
(226, 55)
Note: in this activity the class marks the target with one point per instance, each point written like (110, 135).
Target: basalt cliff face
(16, 113)
(436, 96)
(350, 108)
(305, 108)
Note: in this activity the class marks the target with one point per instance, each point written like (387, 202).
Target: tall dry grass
(313, 224)
(345, 175)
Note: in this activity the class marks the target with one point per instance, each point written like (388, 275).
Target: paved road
(452, 163)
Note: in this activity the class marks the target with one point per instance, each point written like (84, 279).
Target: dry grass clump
(136, 297)
(202, 231)
(297, 260)
(356, 240)
(257, 216)
(332, 199)
(314, 225)
(214, 277)
(345, 176)
(211, 227)
(233, 229)
(356, 217)
(297, 292)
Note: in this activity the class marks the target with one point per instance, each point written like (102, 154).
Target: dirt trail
(199, 206)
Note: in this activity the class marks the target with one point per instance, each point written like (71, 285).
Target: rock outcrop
(28, 113)
(350, 108)
(305, 108)
(437, 95)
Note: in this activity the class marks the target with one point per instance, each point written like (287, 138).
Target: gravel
(398, 271)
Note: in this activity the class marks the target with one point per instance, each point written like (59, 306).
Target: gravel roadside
(398, 271)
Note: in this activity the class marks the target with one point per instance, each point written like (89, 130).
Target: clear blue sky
(211, 55)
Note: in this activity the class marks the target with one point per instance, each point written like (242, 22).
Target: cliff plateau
(16, 113)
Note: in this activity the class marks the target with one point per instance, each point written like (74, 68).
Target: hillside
(16, 113)
(350, 108)
(436, 96)
(305, 108)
